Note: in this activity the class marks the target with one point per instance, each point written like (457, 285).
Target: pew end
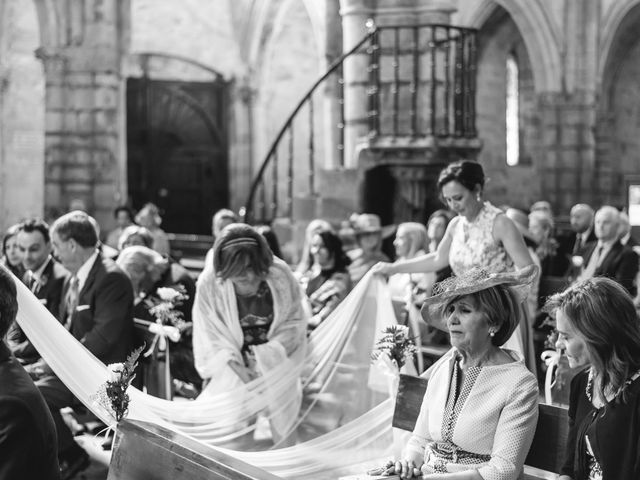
(547, 450)
(146, 451)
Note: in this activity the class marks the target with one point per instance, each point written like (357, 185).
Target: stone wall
(21, 114)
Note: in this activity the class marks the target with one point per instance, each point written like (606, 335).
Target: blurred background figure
(149, 217)
(573, 246)
(306, 259)
(148, 272)
(11, 255)
(436, 228)
(220, 219)
(625, 231)
(124, 218)
(369, 234)
(328, 281)
(542, 206)
(135, 235)
(552, 263)
(272, 240)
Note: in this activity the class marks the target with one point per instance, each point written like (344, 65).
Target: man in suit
(45, 278)
(28, 446)
(608, 257)
(96, 308)
(625, 231)
(573, 246)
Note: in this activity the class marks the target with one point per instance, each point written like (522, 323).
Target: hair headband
(239, 242)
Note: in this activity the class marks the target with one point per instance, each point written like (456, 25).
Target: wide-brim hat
(361, 224)
(475, 280)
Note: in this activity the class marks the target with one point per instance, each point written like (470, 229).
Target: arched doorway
(177, 149)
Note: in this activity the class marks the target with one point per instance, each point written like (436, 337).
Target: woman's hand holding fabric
(382, 268)
(241, 371)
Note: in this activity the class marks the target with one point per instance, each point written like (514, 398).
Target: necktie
(577, 247)
(71, 299)
(594, 261)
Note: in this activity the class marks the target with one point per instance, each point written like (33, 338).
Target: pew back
(547, 450)
(146, 451)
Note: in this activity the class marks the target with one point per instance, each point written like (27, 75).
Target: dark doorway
(177, 150)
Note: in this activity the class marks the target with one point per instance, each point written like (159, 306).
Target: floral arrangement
(165, 310)
(112, 395)
(395, 344)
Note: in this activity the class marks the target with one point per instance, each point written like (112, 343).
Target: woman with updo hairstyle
(329, 281)
(248, 312)
(481, 236)
(598, 327)
(149, 217)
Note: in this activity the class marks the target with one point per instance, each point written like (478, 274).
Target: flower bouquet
(168, 326)
(112, 395)
(395, 347)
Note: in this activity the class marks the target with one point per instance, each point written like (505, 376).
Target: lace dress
(473, 245)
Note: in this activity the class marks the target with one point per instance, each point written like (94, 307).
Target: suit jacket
(28, 442)
(620, 264)
(49, 292)
(567, 245)
(103, 320)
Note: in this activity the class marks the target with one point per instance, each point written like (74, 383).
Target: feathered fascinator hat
(519, 284)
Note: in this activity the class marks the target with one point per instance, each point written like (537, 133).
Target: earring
(478, 197)
(492, 333)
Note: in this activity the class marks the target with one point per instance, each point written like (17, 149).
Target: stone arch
(540, 37)
(619, 33)
(619, 109)
(499, 40)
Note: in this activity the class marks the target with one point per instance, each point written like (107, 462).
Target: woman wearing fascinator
(598, 326)
(481, 236)
(479, 413)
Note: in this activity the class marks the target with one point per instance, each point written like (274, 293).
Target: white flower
(115, 371)
(402, 329)
(167, 294)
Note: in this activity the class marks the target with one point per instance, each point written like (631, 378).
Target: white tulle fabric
(344, 424)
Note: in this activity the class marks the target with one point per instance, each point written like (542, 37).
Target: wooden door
(177, 150)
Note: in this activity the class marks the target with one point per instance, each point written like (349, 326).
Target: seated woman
(369, 234)
(330, 282)
(149, 217)
(135, 235)
(148, 272)
(604, 408)
(11, 255)
(479, 413)
(248, 318)
(306, 259)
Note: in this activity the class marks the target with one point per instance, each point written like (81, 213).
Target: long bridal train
(345, 419)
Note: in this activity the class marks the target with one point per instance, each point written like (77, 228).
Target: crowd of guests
(475, 277)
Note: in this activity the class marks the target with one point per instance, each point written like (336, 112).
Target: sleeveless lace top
(473, 244)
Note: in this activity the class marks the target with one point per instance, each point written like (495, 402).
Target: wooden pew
(547, 450)
(145, 451)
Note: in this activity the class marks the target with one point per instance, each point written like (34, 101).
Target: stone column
(85, 137)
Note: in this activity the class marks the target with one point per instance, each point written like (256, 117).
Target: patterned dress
(473, 245)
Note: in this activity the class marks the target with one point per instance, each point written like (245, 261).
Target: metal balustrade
(420, 84)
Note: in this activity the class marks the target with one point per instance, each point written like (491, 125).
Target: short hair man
(608, 257)
(28, 446)
(44, 276)
(97, 305)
